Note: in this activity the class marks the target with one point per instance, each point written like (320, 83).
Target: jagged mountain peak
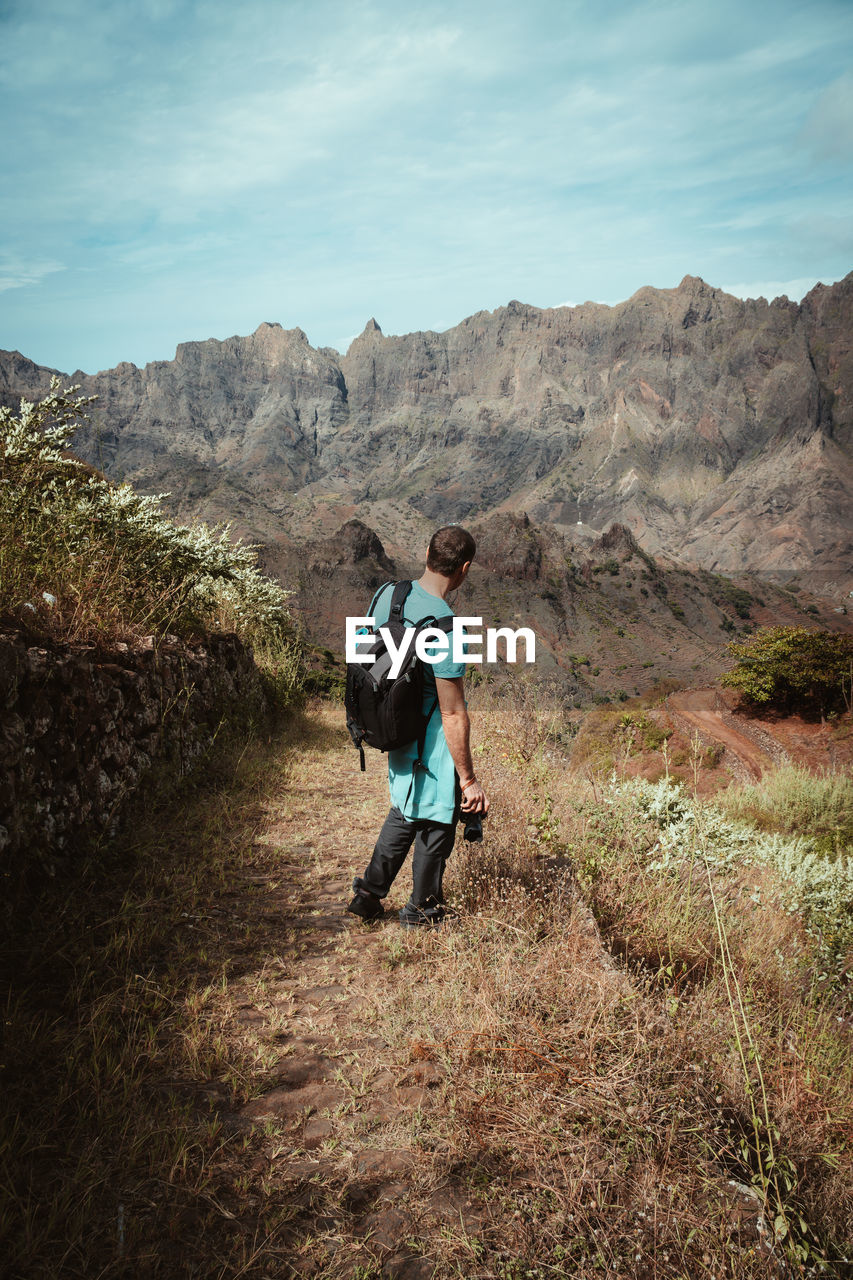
(353, 543)
(368, 336)
(835, 296)
(270, 338)
(694, 284)
(617, 539)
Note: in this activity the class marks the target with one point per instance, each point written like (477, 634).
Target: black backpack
(386, 713)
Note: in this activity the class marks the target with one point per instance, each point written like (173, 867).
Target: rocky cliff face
(719, 431)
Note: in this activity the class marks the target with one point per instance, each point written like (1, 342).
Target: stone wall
(81, 731)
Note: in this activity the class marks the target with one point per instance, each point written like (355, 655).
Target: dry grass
(774, 1118)
(576, 1099)
(609, 737)
(796, 801)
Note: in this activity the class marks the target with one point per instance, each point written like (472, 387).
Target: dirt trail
(342, 1160)
(703, 709)
(339, 1110)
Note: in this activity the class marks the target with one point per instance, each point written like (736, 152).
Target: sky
(174, 170)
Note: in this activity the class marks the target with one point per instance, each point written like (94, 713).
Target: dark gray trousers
(433, 844)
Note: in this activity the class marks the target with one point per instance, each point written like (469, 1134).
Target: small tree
(793, 669)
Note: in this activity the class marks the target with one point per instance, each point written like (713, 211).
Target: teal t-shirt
(432, 794)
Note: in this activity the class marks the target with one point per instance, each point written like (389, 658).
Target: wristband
(465, 785)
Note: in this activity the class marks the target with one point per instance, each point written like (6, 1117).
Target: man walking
(425, 794)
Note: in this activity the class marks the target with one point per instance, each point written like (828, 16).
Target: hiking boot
(415, 917)
(365, 905)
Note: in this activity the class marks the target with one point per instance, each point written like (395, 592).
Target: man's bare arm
(457, 731)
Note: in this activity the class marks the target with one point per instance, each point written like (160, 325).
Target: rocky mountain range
(719, 431)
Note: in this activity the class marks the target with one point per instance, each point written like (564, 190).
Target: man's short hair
(450, 548)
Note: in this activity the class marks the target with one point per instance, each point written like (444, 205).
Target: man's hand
(474, 798)
(457, 731)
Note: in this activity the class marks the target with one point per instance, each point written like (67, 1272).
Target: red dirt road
(704, 709)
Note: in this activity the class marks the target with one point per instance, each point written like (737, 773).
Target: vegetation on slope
(791, 800)
(86, 560)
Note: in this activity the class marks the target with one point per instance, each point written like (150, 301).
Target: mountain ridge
(719, 430)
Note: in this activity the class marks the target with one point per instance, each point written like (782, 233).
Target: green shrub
(793, 669)
(326, 684)
(724, 591)
(647, 734)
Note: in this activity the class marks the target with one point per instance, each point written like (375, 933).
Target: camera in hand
(473, 826)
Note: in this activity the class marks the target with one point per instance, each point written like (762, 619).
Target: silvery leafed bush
(99, 554)
(817, 886)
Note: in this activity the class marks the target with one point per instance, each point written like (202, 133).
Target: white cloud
(782, 51)
(828, 130)
(239, 117)
(770, 289)
(17, 273)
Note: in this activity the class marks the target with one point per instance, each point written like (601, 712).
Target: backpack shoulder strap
(375, 601)
(444, 623)
(398, 599)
